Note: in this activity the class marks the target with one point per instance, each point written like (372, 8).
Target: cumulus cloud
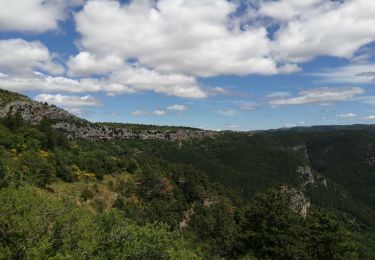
(144, 79)
(172, 43)
(132, 80)
(316, 28)
(86, 64)
(188, 37)
(68, 100)
(18, 56)
(158, 113)
(35, 16)
(285, 10)
(45, 83)
(177, 107)
(137, 77)
(320, 96)
(205, 38)
(370, 117)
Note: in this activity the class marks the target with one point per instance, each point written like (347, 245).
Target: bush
(87, 194)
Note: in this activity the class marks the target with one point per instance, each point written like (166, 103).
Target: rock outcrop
(75, 127)
(33, 112)
(297, 200)
(307, 176)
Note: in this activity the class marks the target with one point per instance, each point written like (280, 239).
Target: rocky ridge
(33, 112)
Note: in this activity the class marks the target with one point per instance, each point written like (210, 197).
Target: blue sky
(214, 64)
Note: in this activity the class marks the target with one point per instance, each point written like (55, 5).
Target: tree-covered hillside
(272, 195)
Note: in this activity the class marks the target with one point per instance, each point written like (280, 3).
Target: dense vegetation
(137, 128)
(206, 199)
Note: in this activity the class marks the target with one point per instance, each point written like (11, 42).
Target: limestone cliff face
(33, 113)
(307, 176)
(297, 200)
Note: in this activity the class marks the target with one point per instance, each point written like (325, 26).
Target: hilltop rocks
(75, 127)
(34, 112)
(92, 132)
(103, 132)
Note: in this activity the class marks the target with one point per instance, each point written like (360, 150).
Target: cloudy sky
(214, 64)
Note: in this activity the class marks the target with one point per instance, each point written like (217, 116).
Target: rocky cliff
(33, 112)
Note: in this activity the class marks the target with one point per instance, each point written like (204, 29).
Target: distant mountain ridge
(370, 128)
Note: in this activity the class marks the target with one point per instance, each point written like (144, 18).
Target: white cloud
(355, 73)
(370, 117)
(139, 113)
(316, 28)
(132, 80)
(348, 115)
(147, 113)
(35, 16)
(177, 107)
(188, 37)
(204, 38)
(219, 91)
(18, 56)
(158, 113)
(321, 96)
(19, 59)
(79, 111)
(136, 77)
(172, 42)
(86, 64)
(227, 112)
(68, 100)
(45, 83)
(143, 79)
(285, 10)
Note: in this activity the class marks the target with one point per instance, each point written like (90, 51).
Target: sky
(214, 64)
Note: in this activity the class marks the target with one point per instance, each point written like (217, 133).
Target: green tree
(327, 237)
(270, 229)
(73, 234)
(120, 239)
(13, 122)
(24, 223)
(215, 228)
(40, 171)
